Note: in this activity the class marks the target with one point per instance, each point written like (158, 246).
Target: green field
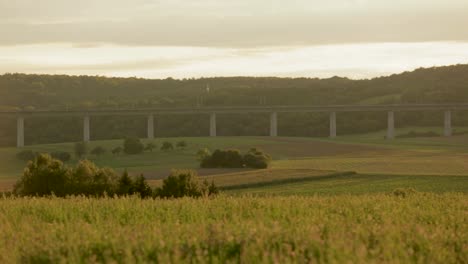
(368, 154)
(322, 201)
(379, 228)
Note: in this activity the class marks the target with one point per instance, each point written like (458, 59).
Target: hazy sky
(162, 38)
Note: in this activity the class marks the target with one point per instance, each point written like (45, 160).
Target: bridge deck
(242, 109)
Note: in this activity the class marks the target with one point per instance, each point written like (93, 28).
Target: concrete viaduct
(213, 111)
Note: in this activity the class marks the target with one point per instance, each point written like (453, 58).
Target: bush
(223, 159)
(43, 176)
(117, 150)
(26, 155)
(141, 187)
(256, 159)
(61, 155)
(167, 146)
(133, 146)
(234, 159)
(98, 151)
(404, 192)
(181, 144)
(88, 179)
(182, 183)
(81, 149)
(150, 146)
(125, 186)
(203, 154)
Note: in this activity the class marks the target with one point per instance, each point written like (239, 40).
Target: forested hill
(21, 91)
(431, 85)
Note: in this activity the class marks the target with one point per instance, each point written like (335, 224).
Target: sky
(205, 38)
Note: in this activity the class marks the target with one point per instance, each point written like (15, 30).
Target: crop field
(364, 154)
(383, 228)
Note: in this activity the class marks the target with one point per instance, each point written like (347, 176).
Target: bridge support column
(20, 132)
(391, 125)
(213, 125)
(274, 124)
(86, 129)
(150, 127)
(333, 125)
(448, 124)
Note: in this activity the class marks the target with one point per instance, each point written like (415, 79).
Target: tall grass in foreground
(419, 228)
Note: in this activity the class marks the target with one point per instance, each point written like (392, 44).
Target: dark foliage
(98, 151)
(167, 146)
(181, 144)
(125, 186)
(141, 187)
(117, 150)
(230, 158)
(182, 183)
(58, 92)
(46, 176)
(133, 146)
(43, 176)
(256, 159)
(88, 179)
(234, 159)
(150, 146)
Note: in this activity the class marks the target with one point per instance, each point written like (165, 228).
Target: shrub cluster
(44, 176)
(230, 158)
(182, 183)
(133, 146)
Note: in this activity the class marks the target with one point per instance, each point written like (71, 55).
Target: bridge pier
(213, 125)
(20, 132)
(391, 125)
(274, 124)
(86, 129)
(333, 125)
(448, 123)
(150, 127)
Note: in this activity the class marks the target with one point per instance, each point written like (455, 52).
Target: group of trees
(20, 91)
(233, 158)
(44, 176)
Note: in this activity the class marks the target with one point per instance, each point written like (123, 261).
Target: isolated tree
(98, 151)
(133, 146)
(117, 150)
(150, 146)
(180, 183)
(81, 149)
(125, 185)
(181, 144)
(141, 187)
(43, 176)
(167, 146)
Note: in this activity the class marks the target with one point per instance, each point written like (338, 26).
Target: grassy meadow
(372, 228)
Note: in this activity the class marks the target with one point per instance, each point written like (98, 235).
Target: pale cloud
(241, 23)
(349, 60)
(181, 38)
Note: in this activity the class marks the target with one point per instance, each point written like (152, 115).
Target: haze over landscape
(180, 39)
(248, 131)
